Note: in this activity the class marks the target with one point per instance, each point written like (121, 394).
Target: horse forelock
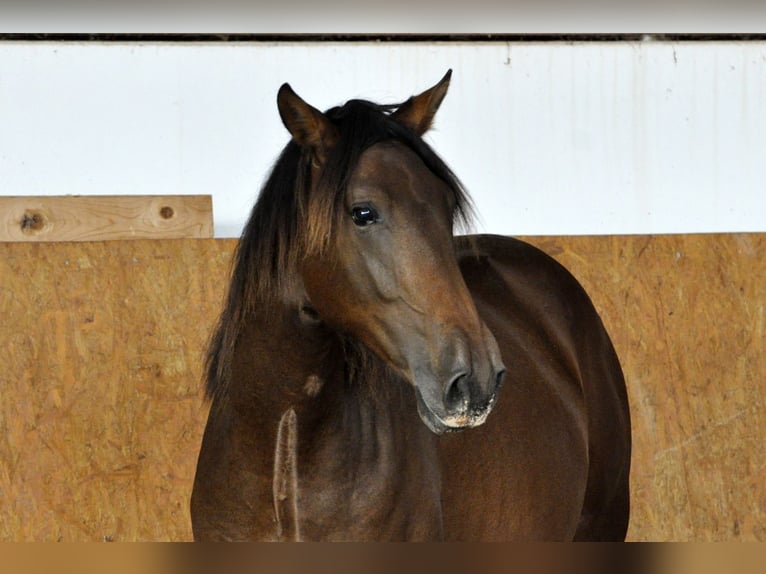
(361, 125)
(293, 219)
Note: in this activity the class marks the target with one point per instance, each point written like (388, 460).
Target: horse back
(552, 460)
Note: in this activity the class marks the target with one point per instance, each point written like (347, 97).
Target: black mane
(287, 222)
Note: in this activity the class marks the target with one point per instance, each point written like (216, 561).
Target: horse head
(387, 274)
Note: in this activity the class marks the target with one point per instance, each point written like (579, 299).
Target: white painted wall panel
(550, 138)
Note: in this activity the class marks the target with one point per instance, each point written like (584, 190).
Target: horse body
(554, 456)
(341, 367)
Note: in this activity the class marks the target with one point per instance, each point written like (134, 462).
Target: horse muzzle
(464, 418)
(464, 404)
(459, 389)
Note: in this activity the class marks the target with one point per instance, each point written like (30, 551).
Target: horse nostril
(457, 396)
(499, 379)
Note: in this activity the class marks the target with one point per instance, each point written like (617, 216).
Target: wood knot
(166, 212)
(32, 222)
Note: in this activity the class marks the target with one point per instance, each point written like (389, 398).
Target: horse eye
(364, 215)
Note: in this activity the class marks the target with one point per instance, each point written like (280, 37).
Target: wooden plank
(101, 348)
(98, 218)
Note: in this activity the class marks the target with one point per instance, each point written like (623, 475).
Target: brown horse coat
(358, 334)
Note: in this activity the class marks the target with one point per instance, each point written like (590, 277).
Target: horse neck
(279, 363)
(335, 388)
(335, 427)
(367, 463)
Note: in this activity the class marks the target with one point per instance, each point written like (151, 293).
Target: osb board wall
(101, 412)
(100, 345)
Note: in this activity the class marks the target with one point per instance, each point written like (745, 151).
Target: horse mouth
(464, 419)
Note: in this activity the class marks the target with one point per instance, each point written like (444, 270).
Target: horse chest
(367, 487)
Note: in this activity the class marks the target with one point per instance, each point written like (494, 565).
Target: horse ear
(418, 112)
(309, 127)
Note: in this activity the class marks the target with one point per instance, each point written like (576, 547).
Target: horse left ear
(309, 127)
(418, 112)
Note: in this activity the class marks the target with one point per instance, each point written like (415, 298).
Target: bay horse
(360, 334)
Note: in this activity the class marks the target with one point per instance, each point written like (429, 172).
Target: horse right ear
(309, 127)
(418, 112)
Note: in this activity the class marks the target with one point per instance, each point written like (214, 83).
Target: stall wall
(101, 406)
